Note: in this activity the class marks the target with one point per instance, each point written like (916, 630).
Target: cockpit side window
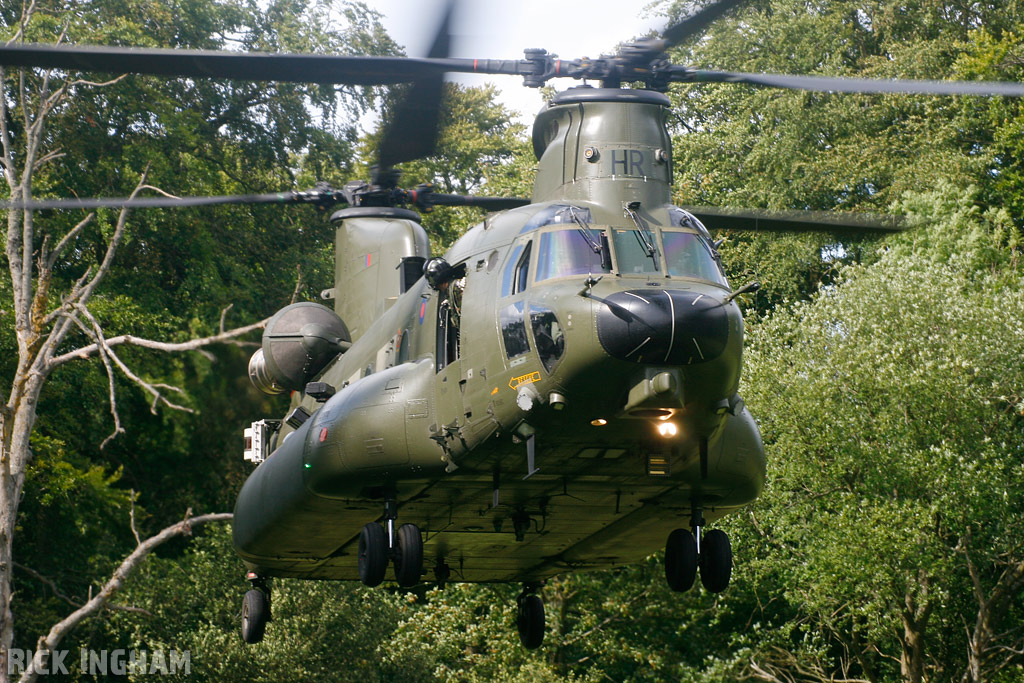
(510, 270)
(522, 271)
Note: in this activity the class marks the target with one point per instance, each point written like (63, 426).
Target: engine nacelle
(298, 343)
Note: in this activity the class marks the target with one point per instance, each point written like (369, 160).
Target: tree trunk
(915, 623)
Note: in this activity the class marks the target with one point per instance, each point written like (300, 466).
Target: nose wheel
(709, 552)
(403, 547)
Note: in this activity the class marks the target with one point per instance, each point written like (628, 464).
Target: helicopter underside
(590, 505)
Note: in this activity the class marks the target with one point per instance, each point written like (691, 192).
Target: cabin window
(570, 252)
(635, 252)
(687, 255)
(547, 335)
(513, 330)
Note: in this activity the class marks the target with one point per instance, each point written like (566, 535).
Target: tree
(71, 295)
(892, 413)
(776, 149)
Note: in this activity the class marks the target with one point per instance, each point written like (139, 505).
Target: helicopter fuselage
(565, 400)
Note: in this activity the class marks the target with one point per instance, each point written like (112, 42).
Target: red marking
(367, 260)
(474, 64)
(558, 66)
(323, 435)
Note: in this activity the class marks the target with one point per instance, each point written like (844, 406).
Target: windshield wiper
(584, 229)
(642, 232)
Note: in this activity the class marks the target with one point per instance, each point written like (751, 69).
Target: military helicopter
(556, 393)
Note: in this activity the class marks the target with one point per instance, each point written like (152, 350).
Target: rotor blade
(489, 203)
(412, 132)
(172, 202)
(850, 85)
(253, 66)
(697, 22)
(723, 218)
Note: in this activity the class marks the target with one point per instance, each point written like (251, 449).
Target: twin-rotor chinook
(558, 394)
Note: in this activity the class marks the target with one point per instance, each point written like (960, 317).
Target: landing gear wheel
(255, 612)
(373, 554)
(681, 560)
(530, 621)
(715, 560)
(408, 556)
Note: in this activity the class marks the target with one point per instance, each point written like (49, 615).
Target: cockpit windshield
(635, 254)
(569, 252)
(687, 255)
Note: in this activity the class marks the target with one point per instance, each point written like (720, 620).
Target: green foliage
(888, 391)
(892, 412)
(320, 630)
(762, 147)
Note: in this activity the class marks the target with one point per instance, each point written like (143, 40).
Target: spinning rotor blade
(850, 85)
(697, 22)
(721, 218)
(412, 133)
(251, 66)
(326, 197)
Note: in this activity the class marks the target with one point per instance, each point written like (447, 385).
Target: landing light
(668, 429)
(599, 422)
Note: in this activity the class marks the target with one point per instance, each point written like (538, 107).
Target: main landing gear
(255, 609)
(686, 552)
(403, 547)
(530, 616)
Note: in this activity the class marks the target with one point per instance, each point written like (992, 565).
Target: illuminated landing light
(599, 422)
(668, 429)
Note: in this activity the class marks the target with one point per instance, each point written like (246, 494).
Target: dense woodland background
(886, 375)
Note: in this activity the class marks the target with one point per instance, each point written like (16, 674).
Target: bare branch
(49, 156)
(298, 283)
(26, 15)
(111, 385)
(153, 389)
(191, 345)
(131, 516)
(46, 644)
(223, 314)
(98, 84)
(49, 582)
(67, 239)
(82, 295)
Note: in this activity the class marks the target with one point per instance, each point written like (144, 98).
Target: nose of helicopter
(675, 327)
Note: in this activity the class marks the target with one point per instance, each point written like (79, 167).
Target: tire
(255, 612)
(681, 560)
(408, 555)
(373, 554)
(715, 561)
(530, 621)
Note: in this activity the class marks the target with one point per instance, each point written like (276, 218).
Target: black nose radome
(663, 326)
